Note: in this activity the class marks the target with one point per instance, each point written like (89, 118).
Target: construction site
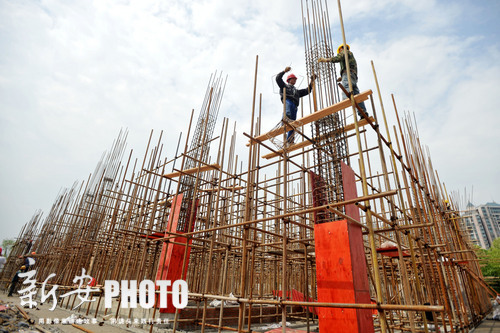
(348, 229)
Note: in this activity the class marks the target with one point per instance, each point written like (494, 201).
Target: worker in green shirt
(353, 67)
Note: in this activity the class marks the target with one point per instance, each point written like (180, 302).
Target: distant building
(482, 223)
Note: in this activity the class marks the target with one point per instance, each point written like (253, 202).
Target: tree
(7, 246)
(491, 264)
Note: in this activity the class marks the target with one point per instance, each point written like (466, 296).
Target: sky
(73, 74)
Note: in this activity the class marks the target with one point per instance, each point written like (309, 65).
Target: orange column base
(341, 277)
(172, 255)
(341, 271)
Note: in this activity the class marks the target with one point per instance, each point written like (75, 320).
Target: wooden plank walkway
(306, 143)
(313, 117)
(193, 170)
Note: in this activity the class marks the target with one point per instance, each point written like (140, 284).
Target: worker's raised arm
(279, 77)
(304, 92)
(338, 58)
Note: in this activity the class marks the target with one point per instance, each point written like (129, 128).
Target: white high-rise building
(483, 223)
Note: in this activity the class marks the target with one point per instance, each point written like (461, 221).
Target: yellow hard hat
(341, 46)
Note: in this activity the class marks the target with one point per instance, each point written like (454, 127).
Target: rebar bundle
(331, 139)
(200, 146)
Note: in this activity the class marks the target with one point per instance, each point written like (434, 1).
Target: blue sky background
(73, 74)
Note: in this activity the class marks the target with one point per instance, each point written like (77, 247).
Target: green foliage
(491, 264)
(7, 245)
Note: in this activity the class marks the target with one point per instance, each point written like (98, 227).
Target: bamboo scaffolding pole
(371, 235)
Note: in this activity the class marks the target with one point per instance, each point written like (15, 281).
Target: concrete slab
(488, 326)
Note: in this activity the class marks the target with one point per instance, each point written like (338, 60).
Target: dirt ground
(51, 321)
(46, 320)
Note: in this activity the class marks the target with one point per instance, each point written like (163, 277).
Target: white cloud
(72, 75)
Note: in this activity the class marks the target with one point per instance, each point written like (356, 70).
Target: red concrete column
(172, 255)
(341, 271)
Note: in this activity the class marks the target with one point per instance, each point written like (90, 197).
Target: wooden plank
(81, 328)
(363, 122)
(314, 116)
(287, 330)
(193, 170)
(234, 188)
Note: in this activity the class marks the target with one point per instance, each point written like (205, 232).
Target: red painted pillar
(172, 255)
(341, 271)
